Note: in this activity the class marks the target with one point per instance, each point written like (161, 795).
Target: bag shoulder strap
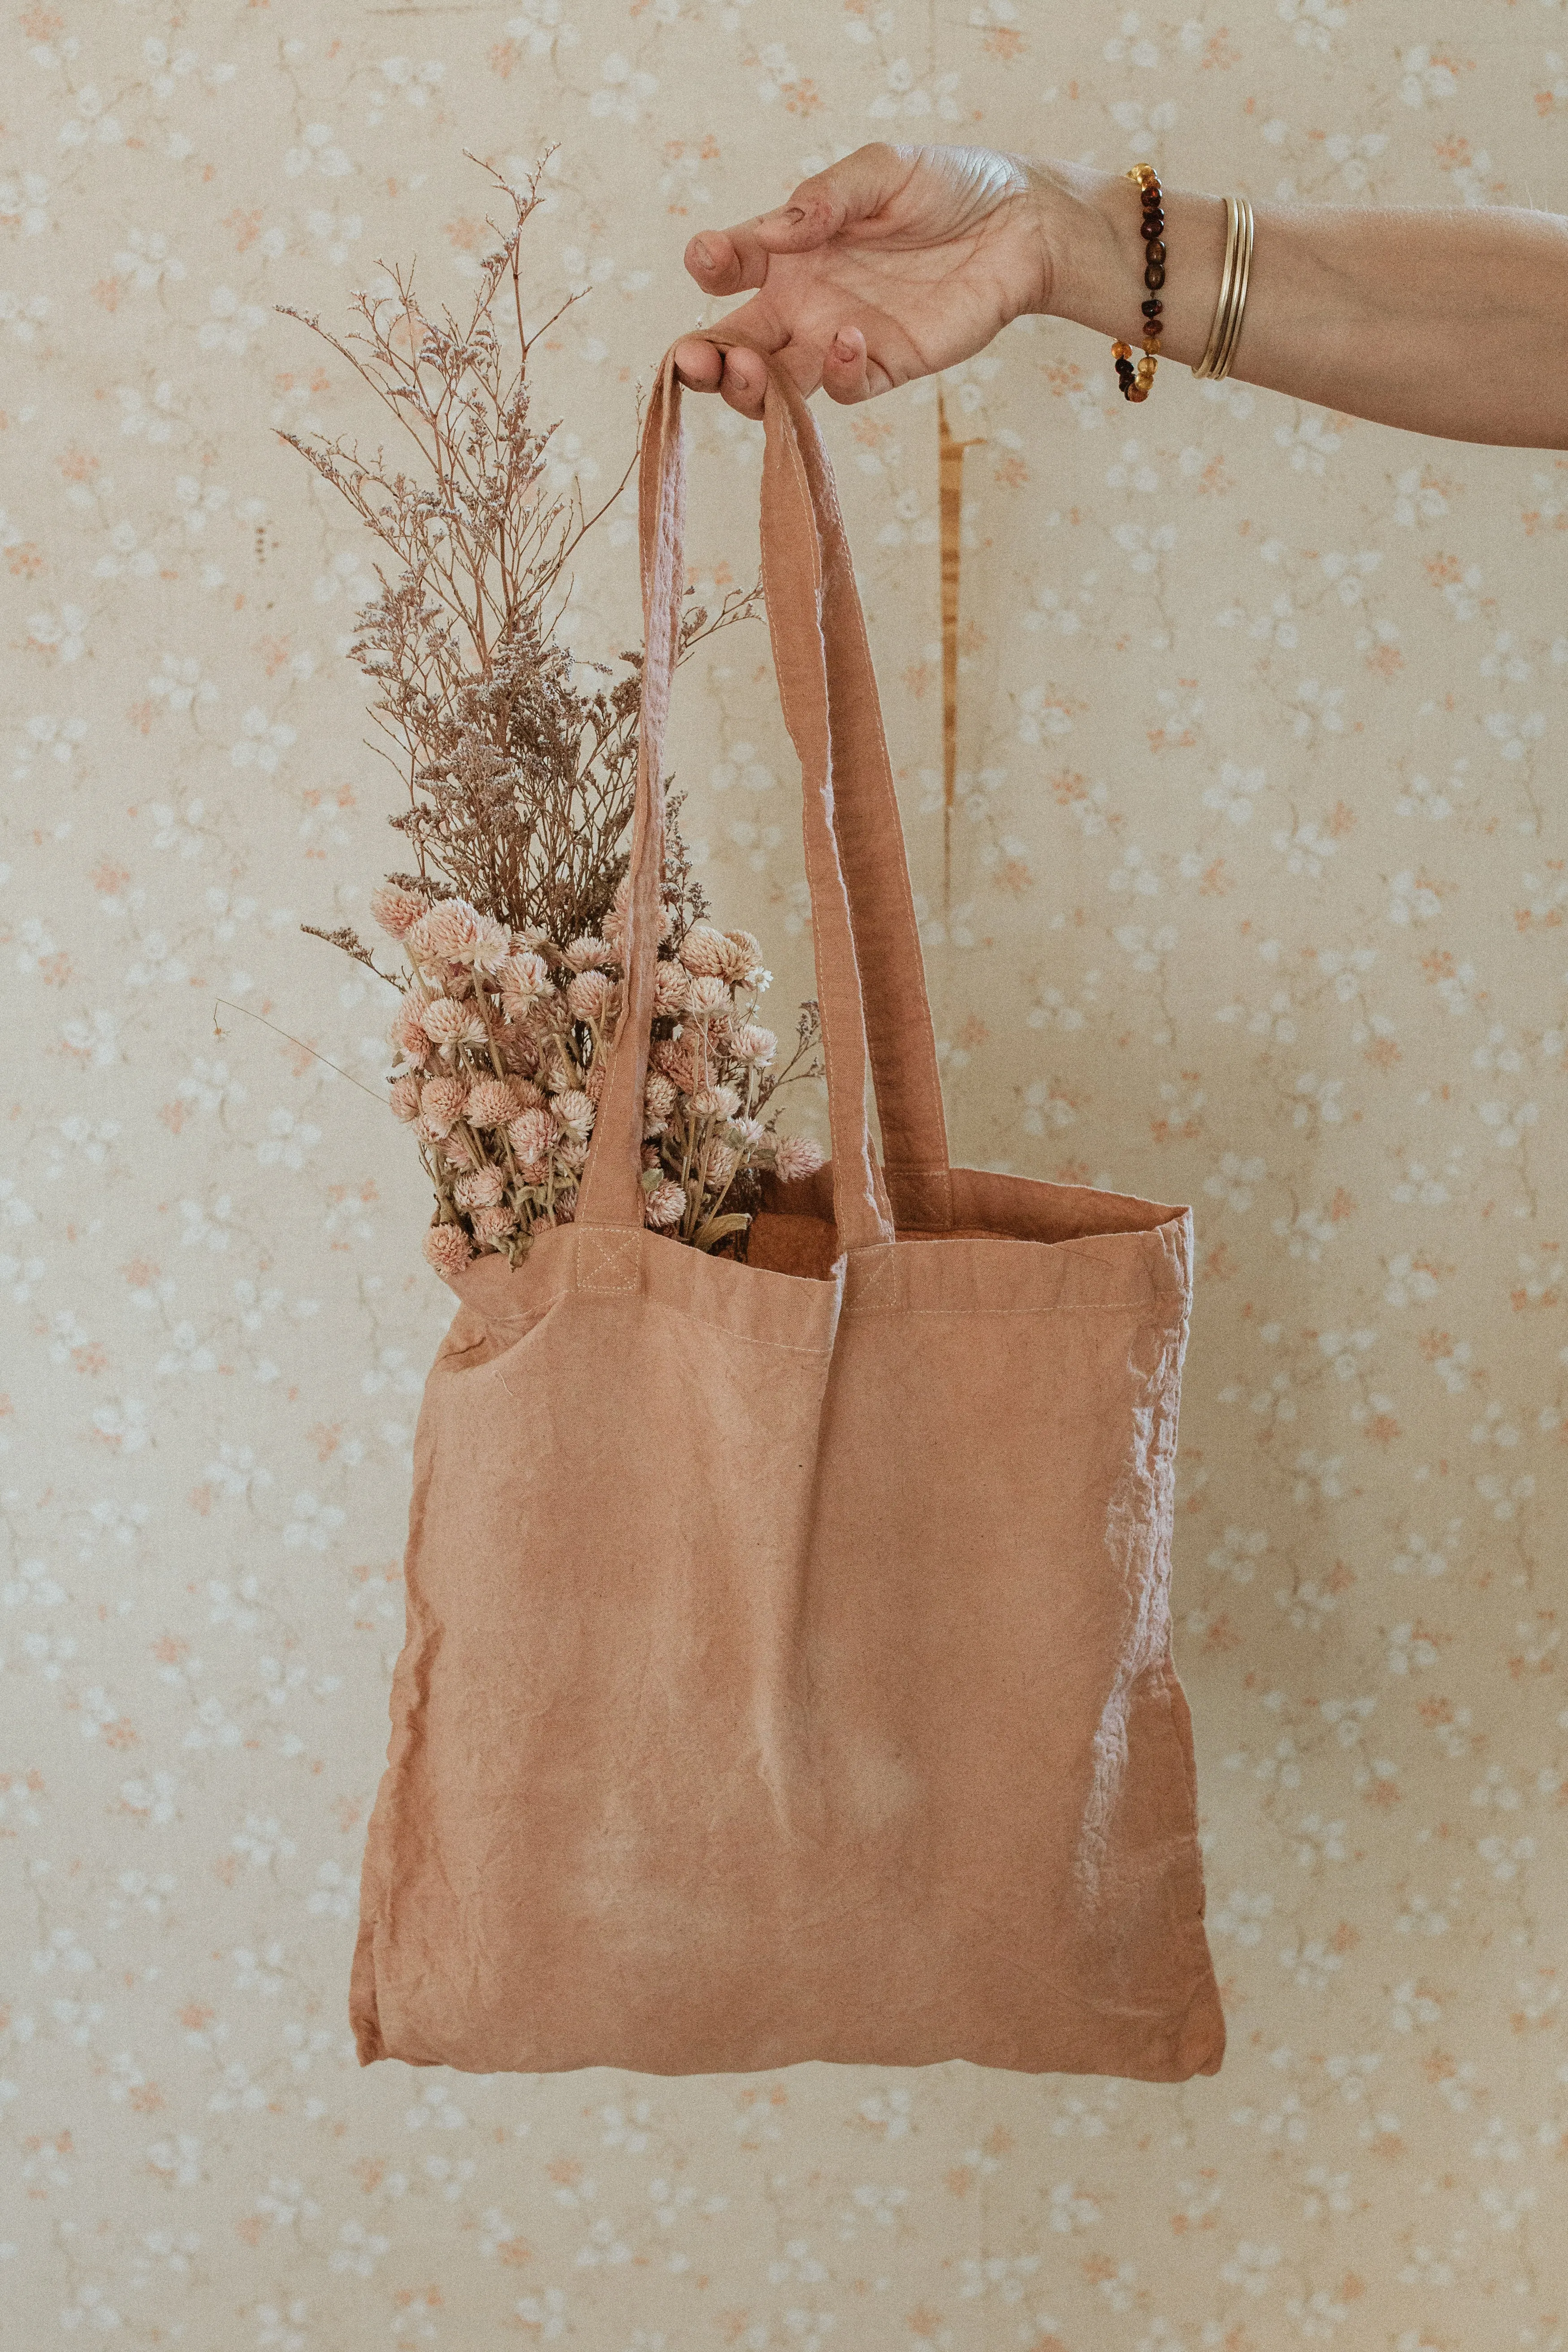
(899, 1026)
(862, 908)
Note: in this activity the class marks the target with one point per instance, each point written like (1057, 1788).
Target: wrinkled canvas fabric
(788, 1671)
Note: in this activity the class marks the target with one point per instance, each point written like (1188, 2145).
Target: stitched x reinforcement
(873, 1280)
(607, 1257)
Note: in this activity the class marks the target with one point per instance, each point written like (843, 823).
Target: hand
(894, 263)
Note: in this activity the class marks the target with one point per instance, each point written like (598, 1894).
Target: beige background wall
(1261, 878)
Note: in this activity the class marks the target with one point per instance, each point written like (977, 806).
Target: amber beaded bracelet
(1135, 381)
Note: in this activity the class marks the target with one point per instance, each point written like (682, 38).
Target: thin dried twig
(520, 774)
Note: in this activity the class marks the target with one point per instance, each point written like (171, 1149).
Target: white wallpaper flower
(1259, 900)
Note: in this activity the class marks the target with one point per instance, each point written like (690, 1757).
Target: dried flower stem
(521, 784)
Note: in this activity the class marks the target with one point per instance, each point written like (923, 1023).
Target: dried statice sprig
(502, 1038)
(521, 784)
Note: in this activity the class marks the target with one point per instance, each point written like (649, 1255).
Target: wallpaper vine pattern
(1259, 900)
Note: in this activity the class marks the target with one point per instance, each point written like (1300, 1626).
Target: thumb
(735, 260)
(829, 201)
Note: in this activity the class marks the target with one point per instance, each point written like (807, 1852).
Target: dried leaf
(716, 1230)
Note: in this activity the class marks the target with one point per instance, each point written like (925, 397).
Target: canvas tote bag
(788, 1670)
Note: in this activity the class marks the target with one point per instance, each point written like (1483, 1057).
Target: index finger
(736, 367)
(698, 363)
(739, 372)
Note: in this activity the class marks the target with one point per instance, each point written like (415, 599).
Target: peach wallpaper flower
(1250, 890)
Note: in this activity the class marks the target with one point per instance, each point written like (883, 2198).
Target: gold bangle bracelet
(1238, 291)
(1227, 276)
(1220, 350)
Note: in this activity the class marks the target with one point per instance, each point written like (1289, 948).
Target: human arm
(899, 261)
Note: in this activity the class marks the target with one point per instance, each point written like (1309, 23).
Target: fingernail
(704, 252)
(790, 213)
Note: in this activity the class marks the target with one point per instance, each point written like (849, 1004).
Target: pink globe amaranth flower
(444, 931)
(708, 996)
(690, 1061)
(665, 1205)
(573, 1111)
(716, 1102)
(492, 950)
(407, 1031)
(658, 1097)
(671, 989)
(796, 1155)
(405, 1097)
(480, 1189)
(524, 978)
(396, 910)
(703, 951)
(492, 1102)
(442, 1102)
(752, 1132)
(529, 1096)
(455, 932)
(681, 1065)
(491, 1225)
(588, 950)
(718, 1165)
(446, 1249)
(566, 1208)
(590, 997)
(745, 955)
(558, 1071)
(448, 1023)
(518, 1050)
(755, 1046)
(532, 1137)
(572, 1153)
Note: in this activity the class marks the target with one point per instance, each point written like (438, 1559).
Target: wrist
(1085, 223)
(1087, 226)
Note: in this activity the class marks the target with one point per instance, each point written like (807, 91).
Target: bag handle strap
(902, 1041)
(855, 869)
(611, 1193)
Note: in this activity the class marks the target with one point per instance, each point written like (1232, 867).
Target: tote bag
(788, 1670)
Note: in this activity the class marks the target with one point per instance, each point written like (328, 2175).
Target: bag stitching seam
(611, 1259)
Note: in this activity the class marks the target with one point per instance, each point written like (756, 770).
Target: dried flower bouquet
(521, 785)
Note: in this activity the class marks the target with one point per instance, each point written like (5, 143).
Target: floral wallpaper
(1250, 889)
